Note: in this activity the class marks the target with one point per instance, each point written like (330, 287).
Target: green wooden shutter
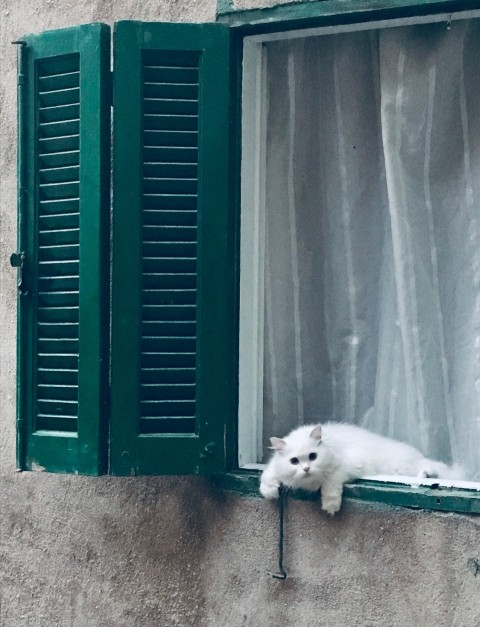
(173, 323)
(64, 174)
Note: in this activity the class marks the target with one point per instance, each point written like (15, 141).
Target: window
(360, 235)
(141, 377)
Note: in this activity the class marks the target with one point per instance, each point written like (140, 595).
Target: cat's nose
(306, 469)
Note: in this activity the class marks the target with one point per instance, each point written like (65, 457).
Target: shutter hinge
(17, 260)
(208, 450)
(20, 76)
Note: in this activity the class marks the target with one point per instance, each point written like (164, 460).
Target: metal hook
(281, 574)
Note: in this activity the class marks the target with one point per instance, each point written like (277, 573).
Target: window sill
(444, 499)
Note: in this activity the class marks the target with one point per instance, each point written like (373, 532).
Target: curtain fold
(372, 258)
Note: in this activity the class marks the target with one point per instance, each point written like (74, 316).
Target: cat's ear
(278, 444)
(316, 434)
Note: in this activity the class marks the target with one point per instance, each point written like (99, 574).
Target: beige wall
(158, 552)
(239, 5)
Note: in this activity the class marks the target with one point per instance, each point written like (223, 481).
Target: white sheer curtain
(372, 301)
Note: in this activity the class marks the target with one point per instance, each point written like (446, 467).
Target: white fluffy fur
(343, 452)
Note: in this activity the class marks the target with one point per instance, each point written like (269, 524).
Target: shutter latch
(17, 260)
(208, 450)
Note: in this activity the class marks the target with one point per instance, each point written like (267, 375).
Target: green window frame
(111, 396)
(316, 14)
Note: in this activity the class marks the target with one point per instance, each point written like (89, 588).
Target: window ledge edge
(443, 499)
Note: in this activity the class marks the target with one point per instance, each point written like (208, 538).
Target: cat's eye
(294, 461)
(312, 456)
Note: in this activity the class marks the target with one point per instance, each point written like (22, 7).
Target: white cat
(327, 456)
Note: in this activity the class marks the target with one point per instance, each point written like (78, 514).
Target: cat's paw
(269, 490)
(331, 504)
(427, 472)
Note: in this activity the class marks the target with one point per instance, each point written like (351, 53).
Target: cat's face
(300, 458)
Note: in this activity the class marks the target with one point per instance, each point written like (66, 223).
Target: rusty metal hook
(282, 573)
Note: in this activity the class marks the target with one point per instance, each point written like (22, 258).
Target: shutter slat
(168, 312)
(170, 202)
(169, 217)
(66, 143)
(167, 106)
(58, 314)
(57, 66)
(168, 344)
(171, 328)
(60, 174)
(169, 280)
(168, 375)
(166, 359)
(60, 113)
(55, 221)
(56, 300)
(57, 361)
(170, 233)
(180, 186)
(166, 408)
(165, 139)
(175, 90)
(172, 170)
(170, 122)
(58, 345)
(57, 392)
(57, 423)
(56, 407)
(59, 128)
(60, 97)
(59, 159)
(65, 205)
(63, 191)
(57, 376)
(59, 269)
(168, 391)
(165, 74)
(169, 297)
(54, 237)
(171, 154)
(177, 59)
(171, 249)
(58, 330)
(179, 424)
(58, 81)
(58, 284)
(67, 252)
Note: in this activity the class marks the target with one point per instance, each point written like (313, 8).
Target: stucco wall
(240, 5)
(156, 552)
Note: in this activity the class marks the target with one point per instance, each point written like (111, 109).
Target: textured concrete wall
(240, 5)
(158, 552)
